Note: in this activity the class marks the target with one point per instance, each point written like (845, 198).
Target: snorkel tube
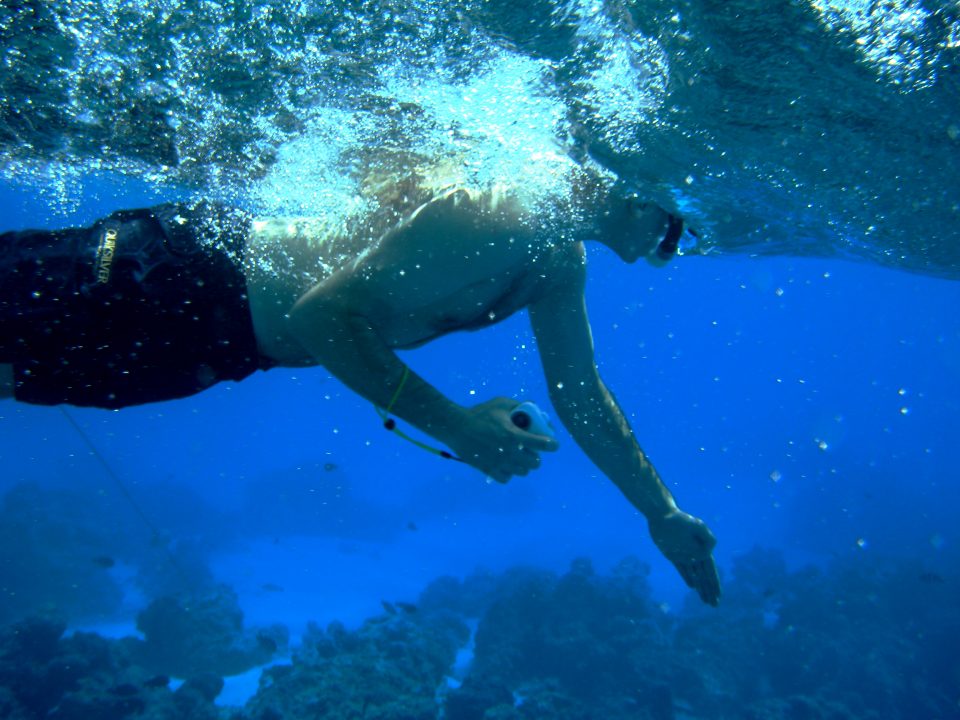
(672, 240)
(667, 247)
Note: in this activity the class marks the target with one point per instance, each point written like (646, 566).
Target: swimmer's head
(634, 229)
(615, 215)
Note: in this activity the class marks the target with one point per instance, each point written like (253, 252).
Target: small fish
(931, 578)
(272, 588)
(408, 608)
(157, 681)
(389, 607)
(104, 561)
(329, 467)
(412, 526)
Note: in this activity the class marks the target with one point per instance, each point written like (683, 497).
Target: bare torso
(456, 264)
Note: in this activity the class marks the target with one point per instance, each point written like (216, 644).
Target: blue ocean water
(795, 377)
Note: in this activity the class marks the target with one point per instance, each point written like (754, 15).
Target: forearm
(347, 346)
(597, 424)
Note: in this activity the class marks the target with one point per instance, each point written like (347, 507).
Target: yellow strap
(396, 394)
(390, 424)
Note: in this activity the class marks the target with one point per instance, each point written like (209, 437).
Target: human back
(435, 255)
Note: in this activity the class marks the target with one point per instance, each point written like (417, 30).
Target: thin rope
(122, 487)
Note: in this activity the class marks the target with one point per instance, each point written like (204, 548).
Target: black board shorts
(145, 305)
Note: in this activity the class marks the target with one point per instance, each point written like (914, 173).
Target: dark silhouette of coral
(389, 669)
(577, 646)
(867, 638)
(44, 675)
(188, 636)
(856, 641)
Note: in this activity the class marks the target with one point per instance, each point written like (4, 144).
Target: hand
(488, 440)
(687, 542)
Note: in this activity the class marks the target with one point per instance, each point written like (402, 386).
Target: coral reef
(187, 636)
(86, 677)
(577, 646)
(389, 669)
(855, 641)
(867, 638)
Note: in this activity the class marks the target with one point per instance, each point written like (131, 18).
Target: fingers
(533, 441)
(523, 462)
(687, 574)
(710, 591)
(529, 458)
(540, 443)
(702, 576)
(707, 582)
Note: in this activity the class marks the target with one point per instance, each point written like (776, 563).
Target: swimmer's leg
(6, 381)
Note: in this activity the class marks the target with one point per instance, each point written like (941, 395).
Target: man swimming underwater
(153, 304)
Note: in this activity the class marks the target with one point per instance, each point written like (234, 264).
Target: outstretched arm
(592, 416)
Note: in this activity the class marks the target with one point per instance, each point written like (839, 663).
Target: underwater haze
(265, 550)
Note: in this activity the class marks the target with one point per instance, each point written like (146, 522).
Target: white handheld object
(530, 418)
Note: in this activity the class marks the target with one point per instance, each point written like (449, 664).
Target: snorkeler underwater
(692, 458)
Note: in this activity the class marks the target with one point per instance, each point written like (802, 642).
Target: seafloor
(863, 639)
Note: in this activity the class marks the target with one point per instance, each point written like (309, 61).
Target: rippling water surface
(804, 127)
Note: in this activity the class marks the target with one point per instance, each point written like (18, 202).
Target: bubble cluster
(772, 128)
(889, 36)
